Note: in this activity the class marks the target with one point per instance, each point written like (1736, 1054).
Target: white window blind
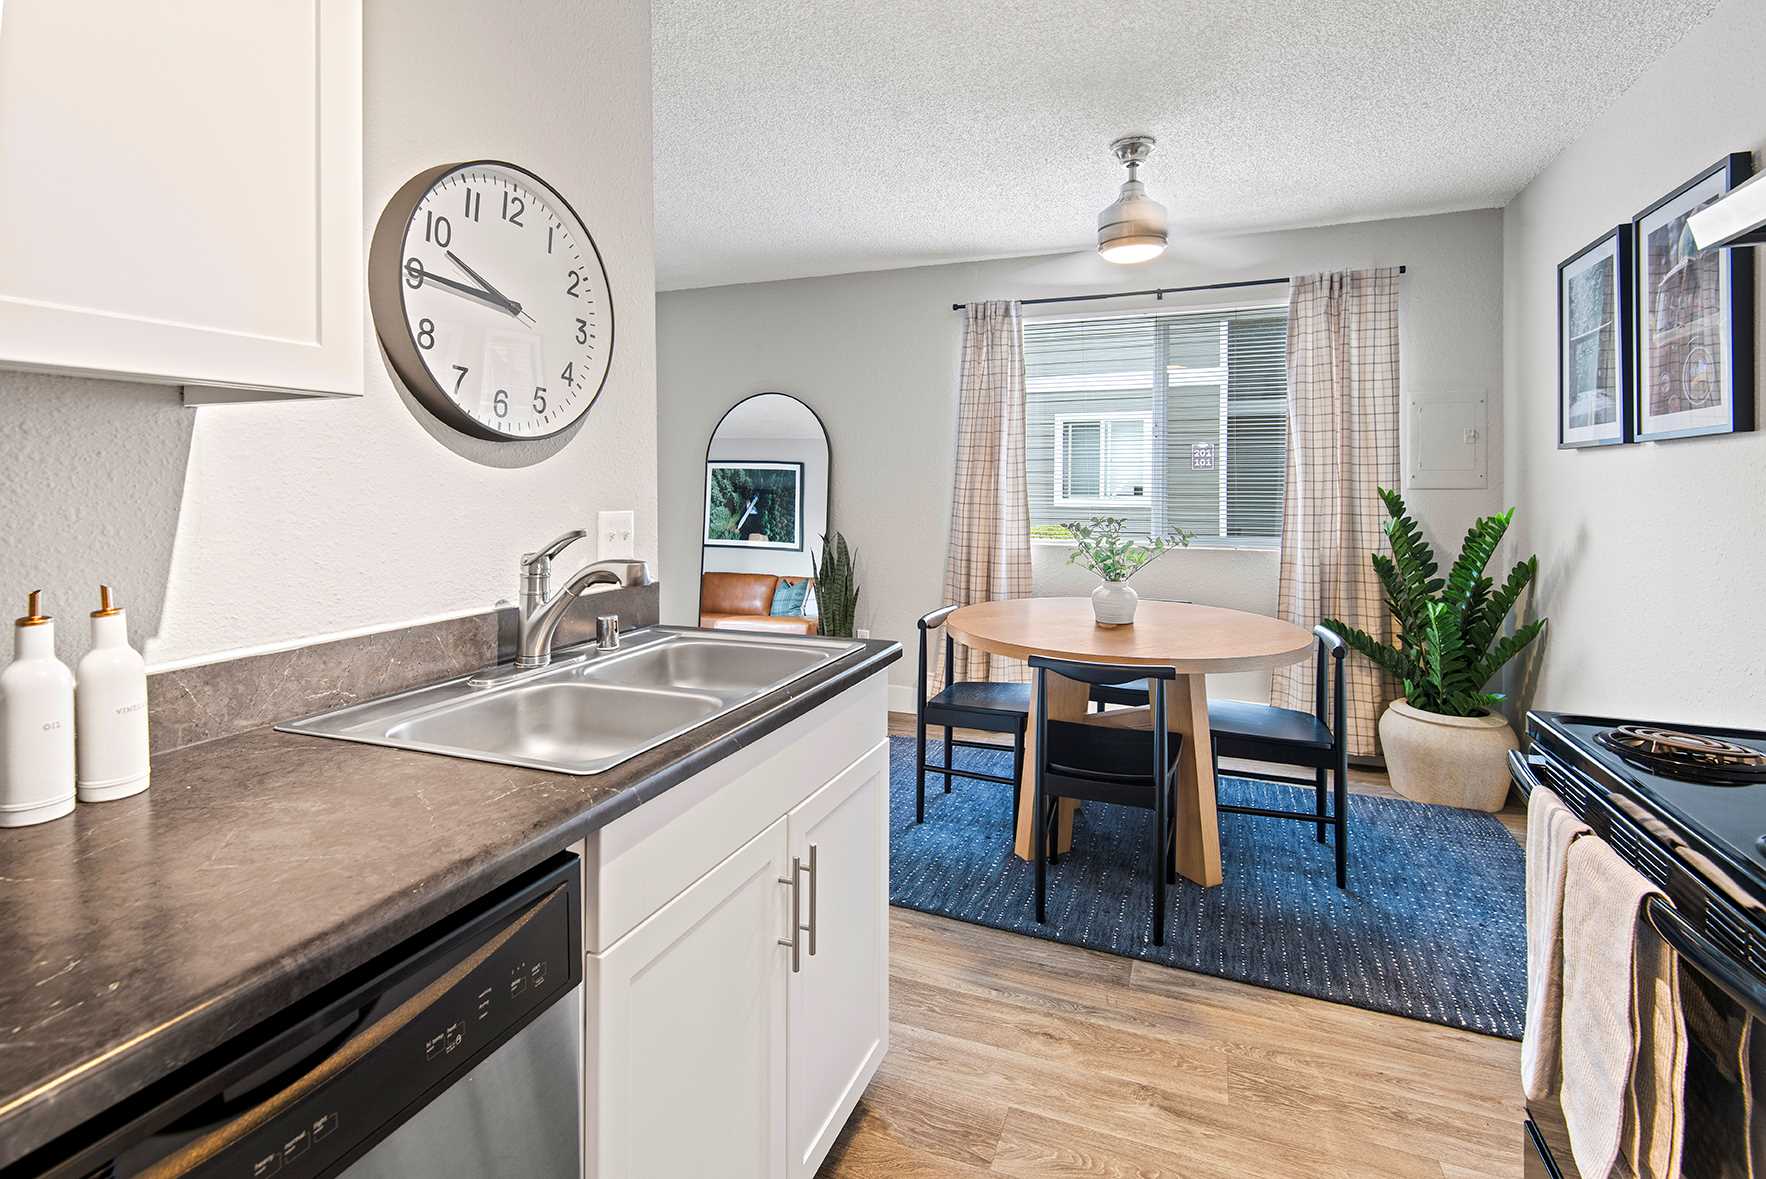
(1169, 421)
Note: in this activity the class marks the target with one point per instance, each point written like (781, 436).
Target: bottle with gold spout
(110, 707)
(36, 725)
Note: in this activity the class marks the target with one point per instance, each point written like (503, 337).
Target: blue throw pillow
(788, 598)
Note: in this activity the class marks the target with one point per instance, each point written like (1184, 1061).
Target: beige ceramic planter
(1447, 760)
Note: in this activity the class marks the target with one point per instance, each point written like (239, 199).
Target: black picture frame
(1617, 244)
(1734, 270)
(712, 466)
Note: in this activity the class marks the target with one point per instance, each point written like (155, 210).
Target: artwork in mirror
(1594, 342)
(766, 510)
(754, 503)
(1695, 317)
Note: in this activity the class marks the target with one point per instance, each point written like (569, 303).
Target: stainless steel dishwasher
(459, 1054)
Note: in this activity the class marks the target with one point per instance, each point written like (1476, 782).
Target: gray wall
(241, 527)
(876, 356)
(1650, 556)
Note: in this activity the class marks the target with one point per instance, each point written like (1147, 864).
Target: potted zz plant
(1100, 546)
(1445, 740)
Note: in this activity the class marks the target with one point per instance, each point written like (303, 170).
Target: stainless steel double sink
(589, 710)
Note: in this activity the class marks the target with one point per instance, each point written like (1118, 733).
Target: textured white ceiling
(823, 137)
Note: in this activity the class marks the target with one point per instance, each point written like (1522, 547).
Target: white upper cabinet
(181, 193)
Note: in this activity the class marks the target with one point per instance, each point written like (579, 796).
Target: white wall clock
(490, 300)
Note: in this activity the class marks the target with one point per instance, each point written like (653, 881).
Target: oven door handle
(1734, 979)
(1521, 773)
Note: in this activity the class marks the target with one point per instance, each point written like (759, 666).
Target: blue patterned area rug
(1432, 926)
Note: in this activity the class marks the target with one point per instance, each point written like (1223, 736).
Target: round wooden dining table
(1194, 640)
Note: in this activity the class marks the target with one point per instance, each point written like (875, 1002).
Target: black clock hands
(478, 294)
(509, 305)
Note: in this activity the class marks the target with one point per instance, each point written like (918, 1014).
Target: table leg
(1068, 700)
(1198, 823)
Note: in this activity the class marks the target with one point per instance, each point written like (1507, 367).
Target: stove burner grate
(1693, 757)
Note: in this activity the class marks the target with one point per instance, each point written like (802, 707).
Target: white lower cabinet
(707, 1053)
(839, 1010)
(687, 1032)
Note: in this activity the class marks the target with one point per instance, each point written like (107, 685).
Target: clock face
(502, 322)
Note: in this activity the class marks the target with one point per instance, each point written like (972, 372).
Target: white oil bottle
(110, 705)
(36, 725)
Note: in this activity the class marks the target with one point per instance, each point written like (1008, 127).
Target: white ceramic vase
(1113, 603)
(1447, 760)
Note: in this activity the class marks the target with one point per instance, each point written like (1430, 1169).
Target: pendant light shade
(1132, 229)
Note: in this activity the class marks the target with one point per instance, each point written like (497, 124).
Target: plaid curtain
(1342, 445)
(989, 555)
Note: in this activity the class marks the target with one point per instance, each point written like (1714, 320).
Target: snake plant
(1450, 642)
(836, 587)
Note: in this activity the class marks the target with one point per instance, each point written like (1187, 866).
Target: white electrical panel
(1446, 443)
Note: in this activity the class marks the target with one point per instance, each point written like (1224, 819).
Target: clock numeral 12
(513, 218)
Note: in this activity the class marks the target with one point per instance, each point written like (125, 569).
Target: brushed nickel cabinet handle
(792, 941)
(813, 923)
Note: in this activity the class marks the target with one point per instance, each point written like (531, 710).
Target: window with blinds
(1168, 421)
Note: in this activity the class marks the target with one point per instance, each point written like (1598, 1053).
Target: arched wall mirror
(766, 511)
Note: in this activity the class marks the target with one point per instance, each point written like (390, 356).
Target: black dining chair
(1318, 741)
(1286, 736)
(966, 704)
(1098, 763)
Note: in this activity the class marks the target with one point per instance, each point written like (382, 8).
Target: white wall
(876, 356)
(289, 521)
(1651, 562)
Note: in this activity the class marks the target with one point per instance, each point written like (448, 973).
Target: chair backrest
(1331, 645)
(1103, 673)
(936, 618)
(928, 623)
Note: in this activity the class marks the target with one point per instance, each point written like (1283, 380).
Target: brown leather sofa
(744, 601)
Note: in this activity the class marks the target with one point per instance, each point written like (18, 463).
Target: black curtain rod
(1160, 292)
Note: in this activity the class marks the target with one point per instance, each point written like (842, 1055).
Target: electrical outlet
(617, 537)
(862, 633)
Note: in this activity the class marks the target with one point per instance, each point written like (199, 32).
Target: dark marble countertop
(137, 935)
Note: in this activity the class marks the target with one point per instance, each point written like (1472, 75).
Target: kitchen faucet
(542, 610)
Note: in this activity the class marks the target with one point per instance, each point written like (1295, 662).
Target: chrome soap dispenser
(111, 709)
(36, 725)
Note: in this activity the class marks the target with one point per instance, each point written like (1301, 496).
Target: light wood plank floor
(1013, 1056)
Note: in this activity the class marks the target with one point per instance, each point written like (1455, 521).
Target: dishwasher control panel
(397, 1034)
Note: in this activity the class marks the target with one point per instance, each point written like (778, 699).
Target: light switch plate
(616, 538)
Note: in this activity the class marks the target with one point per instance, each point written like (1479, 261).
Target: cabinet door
(181, 193)
(840, 999)
(686, 1037)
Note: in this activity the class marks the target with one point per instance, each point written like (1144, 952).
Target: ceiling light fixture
(1132, 229)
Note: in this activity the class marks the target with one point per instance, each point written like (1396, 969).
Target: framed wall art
(754, 505)
(1595, 324)
(1695, 317)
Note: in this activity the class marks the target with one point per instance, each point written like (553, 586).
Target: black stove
(1706, 784)
(1685, 805)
